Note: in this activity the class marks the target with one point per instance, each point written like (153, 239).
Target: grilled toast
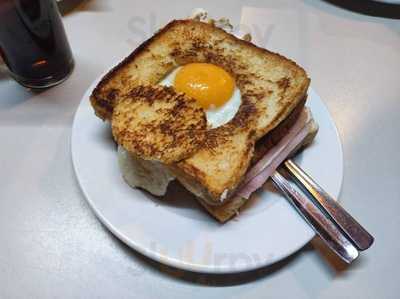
(271, 87)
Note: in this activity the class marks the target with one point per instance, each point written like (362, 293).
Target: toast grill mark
(156, 123)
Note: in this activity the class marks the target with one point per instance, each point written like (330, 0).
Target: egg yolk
(207, 83)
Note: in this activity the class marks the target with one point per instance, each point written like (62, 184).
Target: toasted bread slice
(271, 87)
(155, 123)
(232, 207)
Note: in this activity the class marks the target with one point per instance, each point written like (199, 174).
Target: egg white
(217, 116)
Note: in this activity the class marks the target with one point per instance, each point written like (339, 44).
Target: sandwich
(215, 112)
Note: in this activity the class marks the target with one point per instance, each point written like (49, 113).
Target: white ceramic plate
(177, 231)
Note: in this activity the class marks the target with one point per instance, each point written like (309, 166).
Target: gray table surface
(52, 245)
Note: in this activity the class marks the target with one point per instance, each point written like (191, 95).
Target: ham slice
(263, 169)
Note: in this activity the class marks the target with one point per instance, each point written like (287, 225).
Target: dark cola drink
(33, 43)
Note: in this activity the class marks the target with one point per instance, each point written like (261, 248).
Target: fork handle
(354, 231)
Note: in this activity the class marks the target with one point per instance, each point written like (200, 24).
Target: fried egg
(213, 88)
